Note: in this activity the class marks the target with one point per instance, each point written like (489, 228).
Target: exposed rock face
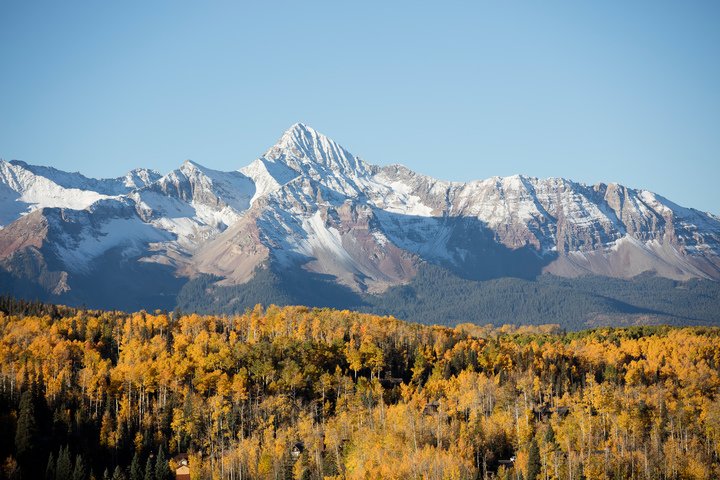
(308, 203)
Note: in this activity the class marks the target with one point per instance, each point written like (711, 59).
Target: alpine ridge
(309, 209)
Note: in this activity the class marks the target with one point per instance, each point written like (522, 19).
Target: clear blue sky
(593, 91)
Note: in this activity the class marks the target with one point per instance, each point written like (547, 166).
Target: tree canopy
(295, 392)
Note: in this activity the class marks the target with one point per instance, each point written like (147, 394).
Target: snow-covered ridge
(34, 189)
(136, 178)
(308, 201)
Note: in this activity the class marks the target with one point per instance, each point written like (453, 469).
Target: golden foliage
(319, 393)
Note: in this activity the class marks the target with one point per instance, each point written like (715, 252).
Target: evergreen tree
(64, 465)
(26, 431)
(50, 469)
(581, 473)
(550, 438)
(162, 470)
(533, 465)
(136, 472)
(149, 470)
(79, 472)
(106, 474)
(118, 474)
(43, 414)
(43, 421)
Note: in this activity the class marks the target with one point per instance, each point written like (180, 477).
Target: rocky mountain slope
(308, 208)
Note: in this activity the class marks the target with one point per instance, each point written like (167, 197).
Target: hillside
(318, 393)
(438, 296)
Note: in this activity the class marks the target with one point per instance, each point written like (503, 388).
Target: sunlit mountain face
(309, 222)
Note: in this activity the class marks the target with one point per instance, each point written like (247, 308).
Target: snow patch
(321, 237)
(131, 234)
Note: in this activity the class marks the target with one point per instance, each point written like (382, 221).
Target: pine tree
(64, 465)
(50, 469)
(26, 431)
(43, 414)
(162, 471)
(550, 438)
(581, 473)
(118, 474)
(149, 470)
(136, 472)
(533, 465)
(63, 470)
(79, 472)
(106, 474)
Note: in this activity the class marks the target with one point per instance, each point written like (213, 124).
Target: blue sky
(624, 92)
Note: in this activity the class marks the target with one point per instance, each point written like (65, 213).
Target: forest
(437, 296)
(309, 393)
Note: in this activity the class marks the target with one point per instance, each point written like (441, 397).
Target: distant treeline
(437, 296)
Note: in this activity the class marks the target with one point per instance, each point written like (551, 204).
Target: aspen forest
(299, 393)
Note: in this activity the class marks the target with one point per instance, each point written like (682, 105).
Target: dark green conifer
(79, 472)
(50, 469)
(581, 473)
(64, 465)
(149, 470)
(550, 436)
(162, 470)
(533, 466)
(118, 474)
(136, 472)
(26, 431)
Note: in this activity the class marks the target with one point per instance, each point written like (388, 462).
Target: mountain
(309, 222)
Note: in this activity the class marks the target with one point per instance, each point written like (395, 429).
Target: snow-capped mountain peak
(140, 177)
(191, 166)
(304, 149)
(309, 203)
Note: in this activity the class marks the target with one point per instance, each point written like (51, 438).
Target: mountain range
(309, 222)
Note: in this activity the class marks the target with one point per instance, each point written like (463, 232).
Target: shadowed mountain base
(437, 296)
